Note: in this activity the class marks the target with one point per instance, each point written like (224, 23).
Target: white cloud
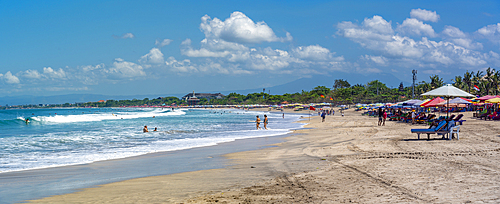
(153, 57)
(458, 37)
(380, 60)
(53, 74)
(163, 42)
(416, 53)
(125, 36)
(312, 52)
(490, 32)
(413, 26)
(372, 33)
(238, 28)
(424, 15)
(9, 78)
(32, 74)
(184, 66)
(378, 24)
(124, 69)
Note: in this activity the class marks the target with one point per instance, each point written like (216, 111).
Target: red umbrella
(433, 102)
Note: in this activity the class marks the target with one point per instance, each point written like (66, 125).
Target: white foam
(105, 116)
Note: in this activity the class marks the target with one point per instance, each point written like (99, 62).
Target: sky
(169, 47)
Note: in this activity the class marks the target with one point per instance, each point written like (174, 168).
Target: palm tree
(495, 81)
(487, 77)
(477, 78)
(459, 83)
(436, 82)
(468, 79)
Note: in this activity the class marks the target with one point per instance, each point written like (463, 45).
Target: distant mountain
(306, 84)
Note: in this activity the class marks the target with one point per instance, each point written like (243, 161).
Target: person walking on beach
(385, 117)
(265, 122)
(323, 114)
(413, 116)
(380, 116)
(145, 129)
(257, 123)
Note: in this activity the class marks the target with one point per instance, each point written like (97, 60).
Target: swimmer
(156, 129)
(145, 129)
(258, 123)
(265, 122)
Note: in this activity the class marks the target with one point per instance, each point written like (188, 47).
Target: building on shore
(194, 99)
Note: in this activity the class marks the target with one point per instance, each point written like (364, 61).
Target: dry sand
(342, 160)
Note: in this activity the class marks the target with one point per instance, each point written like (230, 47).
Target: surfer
(265, 122)
(258, 122)
(145, 129)
(27, 121)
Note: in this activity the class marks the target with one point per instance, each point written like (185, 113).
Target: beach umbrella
(493, 100)
(448, 91)
(433, 102)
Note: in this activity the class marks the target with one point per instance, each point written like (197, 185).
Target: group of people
(145, 129)
(382, 116)
(257, 122)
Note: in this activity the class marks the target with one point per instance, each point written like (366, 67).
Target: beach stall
(447, 91)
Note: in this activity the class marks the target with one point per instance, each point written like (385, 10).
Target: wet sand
(342, 160)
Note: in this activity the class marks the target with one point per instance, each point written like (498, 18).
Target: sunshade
(447, 91)
(483, 98)
(493, 100)
(459, 100)
(433, 102)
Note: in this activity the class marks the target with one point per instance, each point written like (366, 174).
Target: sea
(63, 150)
(62, 137)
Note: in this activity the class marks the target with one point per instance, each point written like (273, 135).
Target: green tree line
(342, 92)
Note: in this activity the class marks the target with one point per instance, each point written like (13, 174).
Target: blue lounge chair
(439, 129)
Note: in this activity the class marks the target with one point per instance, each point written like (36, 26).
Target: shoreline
(80, 176)
(345, 159)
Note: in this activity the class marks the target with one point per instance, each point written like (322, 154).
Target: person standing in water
(265, 122)
(145, 129)
(257, 122)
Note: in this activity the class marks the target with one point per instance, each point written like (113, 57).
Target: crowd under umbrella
(448, 91)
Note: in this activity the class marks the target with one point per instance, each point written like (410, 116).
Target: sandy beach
(342, 160)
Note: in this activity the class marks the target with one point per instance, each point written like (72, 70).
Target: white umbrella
(448, 91)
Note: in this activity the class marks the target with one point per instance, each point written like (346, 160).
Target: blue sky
(167, 47)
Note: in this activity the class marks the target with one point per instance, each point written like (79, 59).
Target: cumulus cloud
(380, 60)
(163, 43)
(412, 26)
(54, 74)
(312, 52)
(153, 57)
(372, 32)
(490, 32)
(183, 66)
(415, 52)
(124, 69)
(458, 37)
(202, 52)
(32, 74)
(125, 36)
(238, 28)
(9, 78)
(424, 15)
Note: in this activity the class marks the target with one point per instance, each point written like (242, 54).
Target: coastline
(345, 159)
(16, 186)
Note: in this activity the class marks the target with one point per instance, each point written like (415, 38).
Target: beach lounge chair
(426, 119)
(440, 128)
(458, 119)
